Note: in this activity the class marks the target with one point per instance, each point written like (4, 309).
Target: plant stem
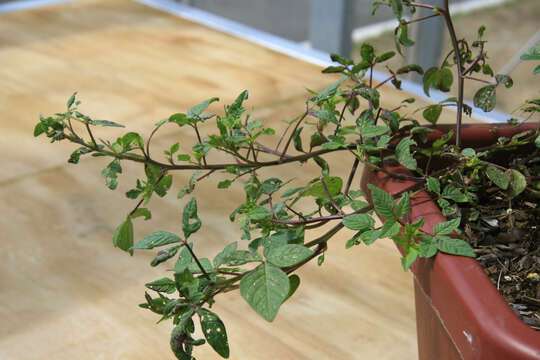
(461, 80)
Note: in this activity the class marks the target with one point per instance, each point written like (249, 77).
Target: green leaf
(333, 69)
(369, 131)
(403, 206)
(532, 53)
(330, 91)
(71, 100)
(468, 152)
(214, 332)
(409, 259)
(165, 284)
(164, 255)
(367, 52)
(518, 183)
(432, 113)
(403, 153)
(537, 141)
(444, 79)
(429, 77)
(110, 173)
(105, 123)
(446, 227)
(505, 80)
(410, 68)
(382, 201)
(397, 8)
(288, 255)
(369, 237)
(370, 95)
(123, 235)
(403, 36)
(294, 283)
(359, 222)
(434, 185)
(536, 70)
(427, 247)
(485, 98)
(198, 109)
(389, 229)
(297, 140)
(453, 193)
(190, 213)
(40, 128)
(265, 289)
(455, 247)
(156, 239)
(498, 177)
(224, 184)
(141, 212)
(386, 56)
(259, 213)
(333, 184)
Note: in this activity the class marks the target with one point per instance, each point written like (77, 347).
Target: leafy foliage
(276, 216)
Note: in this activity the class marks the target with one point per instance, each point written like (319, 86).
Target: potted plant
(406, 164)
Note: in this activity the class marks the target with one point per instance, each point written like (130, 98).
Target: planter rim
(475, 315)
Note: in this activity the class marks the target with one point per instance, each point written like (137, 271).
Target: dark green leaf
(498, 177)
(453, 193)
(403, 153)
(429, 77)
(297, 140)
(447, 227)
(455, 247)
(369, 131)
(386, 56)
(432, 113)
(265, 289)
(367, 52)
(444, 79)
(403, 206)
(382, 201)
(408, 68)
(166, 285)
(214, 332)
(294, 283)
(397, 8)
(427, 247)
(434, 185)
(40, 128)
(156, 239)
(369, 237)
(164, 255)
(485, 98)
(359, 222)
(333, 69)
(403, 36)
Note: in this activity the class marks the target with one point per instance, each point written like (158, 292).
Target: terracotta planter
(459, 313)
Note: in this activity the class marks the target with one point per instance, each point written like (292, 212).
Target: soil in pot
(505, 233)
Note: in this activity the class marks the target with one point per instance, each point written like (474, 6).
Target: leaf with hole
(214, 332)
(288, 255)
(265, 289)
(485, 98)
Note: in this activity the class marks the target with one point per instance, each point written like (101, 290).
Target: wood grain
(66, 293)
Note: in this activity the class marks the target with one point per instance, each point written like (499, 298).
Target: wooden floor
(65, 292)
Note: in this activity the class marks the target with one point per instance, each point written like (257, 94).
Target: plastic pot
(459, 312)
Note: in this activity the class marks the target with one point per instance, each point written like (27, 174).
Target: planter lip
(477, 317)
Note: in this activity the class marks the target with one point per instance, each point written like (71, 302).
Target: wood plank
(66, 294)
